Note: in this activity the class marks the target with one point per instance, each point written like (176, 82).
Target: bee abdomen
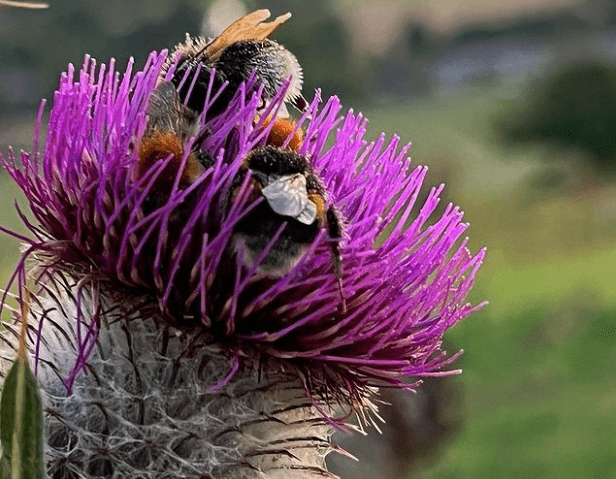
(258, 228)
(196, 94)
(160, 146)
(272, 63)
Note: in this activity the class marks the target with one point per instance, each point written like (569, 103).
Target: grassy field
(540, 362)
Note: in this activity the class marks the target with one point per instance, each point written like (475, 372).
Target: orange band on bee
(320, 203)
(159, 145)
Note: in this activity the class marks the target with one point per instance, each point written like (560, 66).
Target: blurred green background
(513, 105)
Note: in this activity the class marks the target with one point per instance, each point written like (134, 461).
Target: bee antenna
(202, 136)
(202, 51)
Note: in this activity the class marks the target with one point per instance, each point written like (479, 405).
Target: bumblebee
(169, 129)
(174, 113)
(294, 195)
(241, 49)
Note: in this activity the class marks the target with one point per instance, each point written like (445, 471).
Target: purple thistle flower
(102, 244)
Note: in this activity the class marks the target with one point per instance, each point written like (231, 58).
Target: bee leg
(334, 229)
(205, 159)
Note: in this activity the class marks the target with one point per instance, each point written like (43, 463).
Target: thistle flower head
(171, 256)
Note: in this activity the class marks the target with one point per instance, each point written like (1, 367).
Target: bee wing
(249, 27)
(162, 100)
(166, 112)
(287, 196)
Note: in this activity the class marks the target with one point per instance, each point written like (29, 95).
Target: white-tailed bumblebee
(169, 129)
(294, 195)
(240, 49)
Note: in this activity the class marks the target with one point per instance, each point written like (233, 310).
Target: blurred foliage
(417, 428)
(539, 361)
(573, 108)
(540, 388)
(547, 24)
(38, 45)
(421, 40)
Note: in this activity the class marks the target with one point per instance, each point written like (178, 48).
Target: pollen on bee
(280, 132)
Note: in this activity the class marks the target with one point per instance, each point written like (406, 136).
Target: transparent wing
(287, 196)
(166, 112)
